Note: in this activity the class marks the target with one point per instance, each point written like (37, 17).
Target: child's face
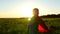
(35, 12)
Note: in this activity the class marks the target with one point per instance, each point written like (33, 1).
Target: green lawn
(19, 26)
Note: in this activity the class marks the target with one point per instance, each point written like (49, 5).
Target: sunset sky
(23, 8)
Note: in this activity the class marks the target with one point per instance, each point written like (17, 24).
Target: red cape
(42, 27)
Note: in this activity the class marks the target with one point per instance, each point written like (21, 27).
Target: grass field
(19, 25)
(53, 22)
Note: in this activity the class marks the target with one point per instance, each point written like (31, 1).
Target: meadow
(20, 25)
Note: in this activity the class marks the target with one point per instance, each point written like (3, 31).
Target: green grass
(54, 22)
(19, 26)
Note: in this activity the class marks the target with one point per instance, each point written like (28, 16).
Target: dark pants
(30, 30)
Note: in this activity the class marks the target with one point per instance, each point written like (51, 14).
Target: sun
(27, 9)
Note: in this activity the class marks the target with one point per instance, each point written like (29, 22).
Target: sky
(23, 8)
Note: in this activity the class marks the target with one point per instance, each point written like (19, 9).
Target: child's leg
(31, 30)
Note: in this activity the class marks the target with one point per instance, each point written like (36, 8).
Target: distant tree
(58, 14)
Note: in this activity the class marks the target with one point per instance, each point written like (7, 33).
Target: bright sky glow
(23, 8)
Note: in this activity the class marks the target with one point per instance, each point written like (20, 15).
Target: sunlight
(27, 9)
(29, 19)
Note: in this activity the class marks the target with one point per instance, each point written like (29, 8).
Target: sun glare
(27, 9)
(29, 19)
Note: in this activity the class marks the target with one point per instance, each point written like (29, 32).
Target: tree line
(51, 16)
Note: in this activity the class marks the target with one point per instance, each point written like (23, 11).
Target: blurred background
(16, 14)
